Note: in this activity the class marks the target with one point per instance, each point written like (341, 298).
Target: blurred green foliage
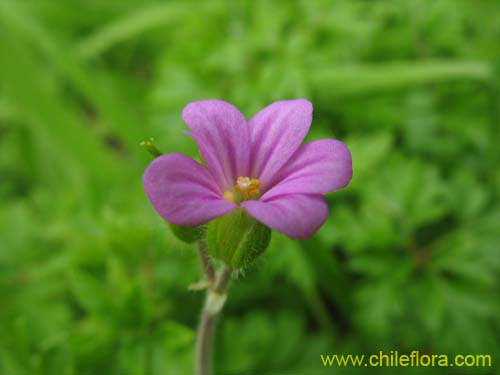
(92, 281)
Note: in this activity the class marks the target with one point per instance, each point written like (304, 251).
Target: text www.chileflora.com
(413, 359)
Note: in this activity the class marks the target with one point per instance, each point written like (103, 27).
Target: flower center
(245, 188)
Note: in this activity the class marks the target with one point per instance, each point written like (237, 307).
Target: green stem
(214, 301)
(206, 262)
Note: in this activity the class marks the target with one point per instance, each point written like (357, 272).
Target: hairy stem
(206, 262)
(214, 301)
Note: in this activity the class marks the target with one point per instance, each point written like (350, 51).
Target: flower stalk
(208, 267)
(214, 302)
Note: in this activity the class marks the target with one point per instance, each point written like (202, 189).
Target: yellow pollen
(229, 195)
(246, 188)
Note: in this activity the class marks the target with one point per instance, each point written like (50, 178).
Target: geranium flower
(258, 164)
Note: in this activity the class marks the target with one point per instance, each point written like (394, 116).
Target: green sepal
(237, 238)
(188, 234)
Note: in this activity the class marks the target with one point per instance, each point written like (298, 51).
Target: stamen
(245, 188)
(248, 187)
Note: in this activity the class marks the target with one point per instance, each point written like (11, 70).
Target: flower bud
(237, 238)
(188, 234)
(151, 147)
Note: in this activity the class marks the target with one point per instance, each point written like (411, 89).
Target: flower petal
(223, 137)
(182, 191)
(317, 167)
(296, 215)
(277, 131)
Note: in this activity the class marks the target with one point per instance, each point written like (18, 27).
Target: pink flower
(258, 164)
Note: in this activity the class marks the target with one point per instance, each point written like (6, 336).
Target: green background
(93, 282)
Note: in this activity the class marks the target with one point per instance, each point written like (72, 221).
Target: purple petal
(223, 137)
(277, 131)
(296, 215)
(317, 167)
(183, 191)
